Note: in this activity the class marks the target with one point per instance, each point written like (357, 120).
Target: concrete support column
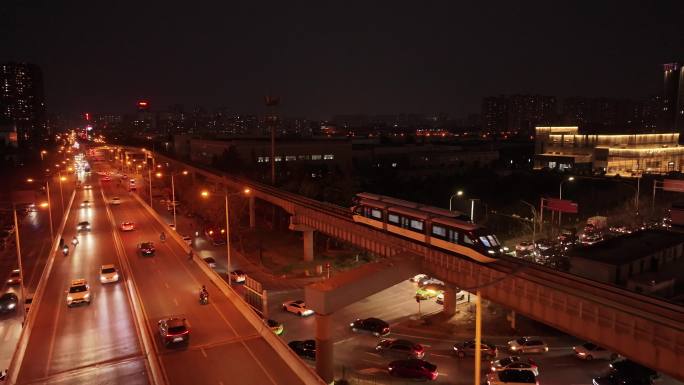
(324, 348)
(449, 306)
(252, 219)
(308, 245)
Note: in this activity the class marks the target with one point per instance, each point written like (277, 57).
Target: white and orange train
(433, 226)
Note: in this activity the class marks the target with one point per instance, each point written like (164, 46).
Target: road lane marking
(175, 301)
(440, 355)
(167, 285)
(203, 353)
(220, 382)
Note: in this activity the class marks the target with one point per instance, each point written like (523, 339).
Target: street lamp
(173, 192)
(42, 154)
(46, 204)
(457, 193)
(560, 197)
(206, 194)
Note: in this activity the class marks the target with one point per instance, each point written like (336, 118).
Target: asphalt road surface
(224, 347)
(84, 344)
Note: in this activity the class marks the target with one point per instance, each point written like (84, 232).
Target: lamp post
(456, 194)
(61, 192)
(205, 194)
(49, 205)
(560, 197)
(173, 193)
(42, 155)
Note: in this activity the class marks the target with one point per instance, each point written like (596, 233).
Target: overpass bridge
(645, 329)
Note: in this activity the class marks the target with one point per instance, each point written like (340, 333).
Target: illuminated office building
(563, 148)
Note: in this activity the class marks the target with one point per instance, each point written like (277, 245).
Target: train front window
(467, 240)
(485, 241)
(493, 240)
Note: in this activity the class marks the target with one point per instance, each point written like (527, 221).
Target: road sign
(561, 205)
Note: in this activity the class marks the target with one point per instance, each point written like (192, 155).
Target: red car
(127, 226)
(174, 330)
(414, 369)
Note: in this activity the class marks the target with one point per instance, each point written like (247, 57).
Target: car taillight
(385, 330)
(419, 348)
(435, 374)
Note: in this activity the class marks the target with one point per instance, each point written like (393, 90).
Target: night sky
(325, 58)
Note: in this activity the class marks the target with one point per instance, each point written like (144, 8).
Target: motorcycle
(65, 250)
(204, 298)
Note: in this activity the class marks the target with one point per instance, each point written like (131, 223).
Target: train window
(453, 236)
(493, 240)
(485, 241)
(467, 240)
(417, 224)
(394, 218)
(375, 213)
(439, 231)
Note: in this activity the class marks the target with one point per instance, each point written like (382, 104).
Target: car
(187, 239)
(174, 330)
(514, 363)
(8, 303)
(627, 368)
(430, 281)
(617, 379)
(467, 349)
(115, 201)
(108, 273)
(400, 348)
(172, 226)
(85, 204)
(297, 307)
(460, 296)
(524, 246)
(589, 351)
(527, 345)
(511, 377)
(304, 349)
(210, 261)
(429, 291)
(30, 208)
(83, 226)
(544, 244)
(413, 368)
(146, 249)
(79, 292)
(14, 278)
(127, 226)
(372, 325)
(238, 276)
(275, 326)
(416, 278)
(87, 187)
(106, 179)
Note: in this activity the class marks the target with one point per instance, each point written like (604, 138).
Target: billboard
(560, 205)
(676, 185)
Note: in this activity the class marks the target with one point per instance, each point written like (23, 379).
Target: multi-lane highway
(84, 344)
(224, 347)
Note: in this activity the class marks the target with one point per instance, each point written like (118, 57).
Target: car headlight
(11, 306)
(86, 296)
(513, 347)
(116, 276)
(69, 298)
(351, 324)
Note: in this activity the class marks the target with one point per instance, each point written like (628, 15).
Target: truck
(599, 223)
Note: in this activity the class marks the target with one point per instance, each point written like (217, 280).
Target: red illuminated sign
(143, 104)
(560, 205)
(675, 185)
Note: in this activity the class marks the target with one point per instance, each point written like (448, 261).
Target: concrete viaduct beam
(328, 296)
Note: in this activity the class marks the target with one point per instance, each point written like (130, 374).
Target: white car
(514, 363)
(416, 278)
(187, 239)
(589, 351)
(87, 187)
(527, 345)
(115, 201)
(14, 278)
(297, 307)
(85, 204)
(238, 276)
(79, 292)
(108, 273)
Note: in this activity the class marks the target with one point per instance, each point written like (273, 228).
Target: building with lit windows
(564, 148)
(673, 97)
(22, 105)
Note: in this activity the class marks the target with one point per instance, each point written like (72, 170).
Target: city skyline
(356, 59)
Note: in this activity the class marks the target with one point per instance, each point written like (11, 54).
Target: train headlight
(491, 251)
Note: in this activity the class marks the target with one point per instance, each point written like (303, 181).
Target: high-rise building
(517, 114)
(22, 105)
(672, 116)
